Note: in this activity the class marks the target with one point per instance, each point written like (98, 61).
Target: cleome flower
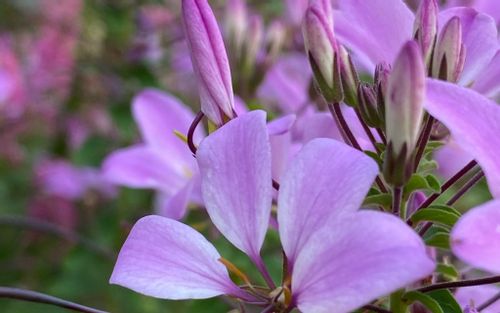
(338, 257)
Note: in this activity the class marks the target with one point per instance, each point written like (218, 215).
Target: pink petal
(451, 159)
(166, 259)
(480, 39)
(473, 121)
(476, 237)
(488, 82)
(235, 166)
(158, 115)
(374, 30)
(356, 260)
(174, 206)
(141, 167)
(325, 180)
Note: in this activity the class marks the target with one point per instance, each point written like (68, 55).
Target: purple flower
(376, 30)
(333, 268)
(210, 61)
(490, 7)
(162, 162)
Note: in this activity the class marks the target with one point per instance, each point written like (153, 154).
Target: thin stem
(381, 135)
(471, 183)
(55, 230)
(259, 263)
(32, 296)
(373, 308)
(368, 131)
(336, 110)
(397, 196)
(423, 140)
(448, 184)
(349, 138)
(191, 130)
(489, 302)
(461, 283)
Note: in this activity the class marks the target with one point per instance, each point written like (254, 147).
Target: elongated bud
(449, 54)
(425, 28)
(403, 112)
(382, 73)
(368, 106)
(209, 58)
(253, 41)
(324, 6)
(349, 76)
(275, 39)
(322, 50)
(235, 24)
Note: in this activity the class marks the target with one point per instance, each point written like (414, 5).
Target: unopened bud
(209, 59)
(253, 42)
(349, 76)
(382, 73)
(449, 54)
(236, 24)
(403, 112)
(425, 28)
(275, 39)
(322, 49)
(368, 106)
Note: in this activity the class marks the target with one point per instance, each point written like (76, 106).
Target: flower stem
(423, 140)
(368, 132)
(462, 283)
(471, 183)
(488, 302)
(397, 196)
(450, 182)
(32, 296)
(191, 130)
(41, 226)
(396, 304)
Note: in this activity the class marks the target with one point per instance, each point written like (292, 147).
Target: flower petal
(357, 260)
(374, 30)
(140, 167)
(480, 40)
(313, 193)
(476, 237)
(174, 206)
(473, 121)
(488, 83)
(166, 259)
(235, 166)
(158, 115)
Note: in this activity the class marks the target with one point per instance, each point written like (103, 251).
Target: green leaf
(448, 271)
(374, 156)
(433, 182)
(446, 208)
(439, 240)
(429, 302)
(383, 200)
(416, 182)
(438, 216)
(445, 300)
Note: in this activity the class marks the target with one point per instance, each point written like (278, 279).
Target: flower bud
(349, 76)
(449, 54)
(382, 72)
(368, 106)
(253, 42)
(275, 39)
(403, 112)
(425, 28)
(209, 59)
(322, 50)
(236, 24)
